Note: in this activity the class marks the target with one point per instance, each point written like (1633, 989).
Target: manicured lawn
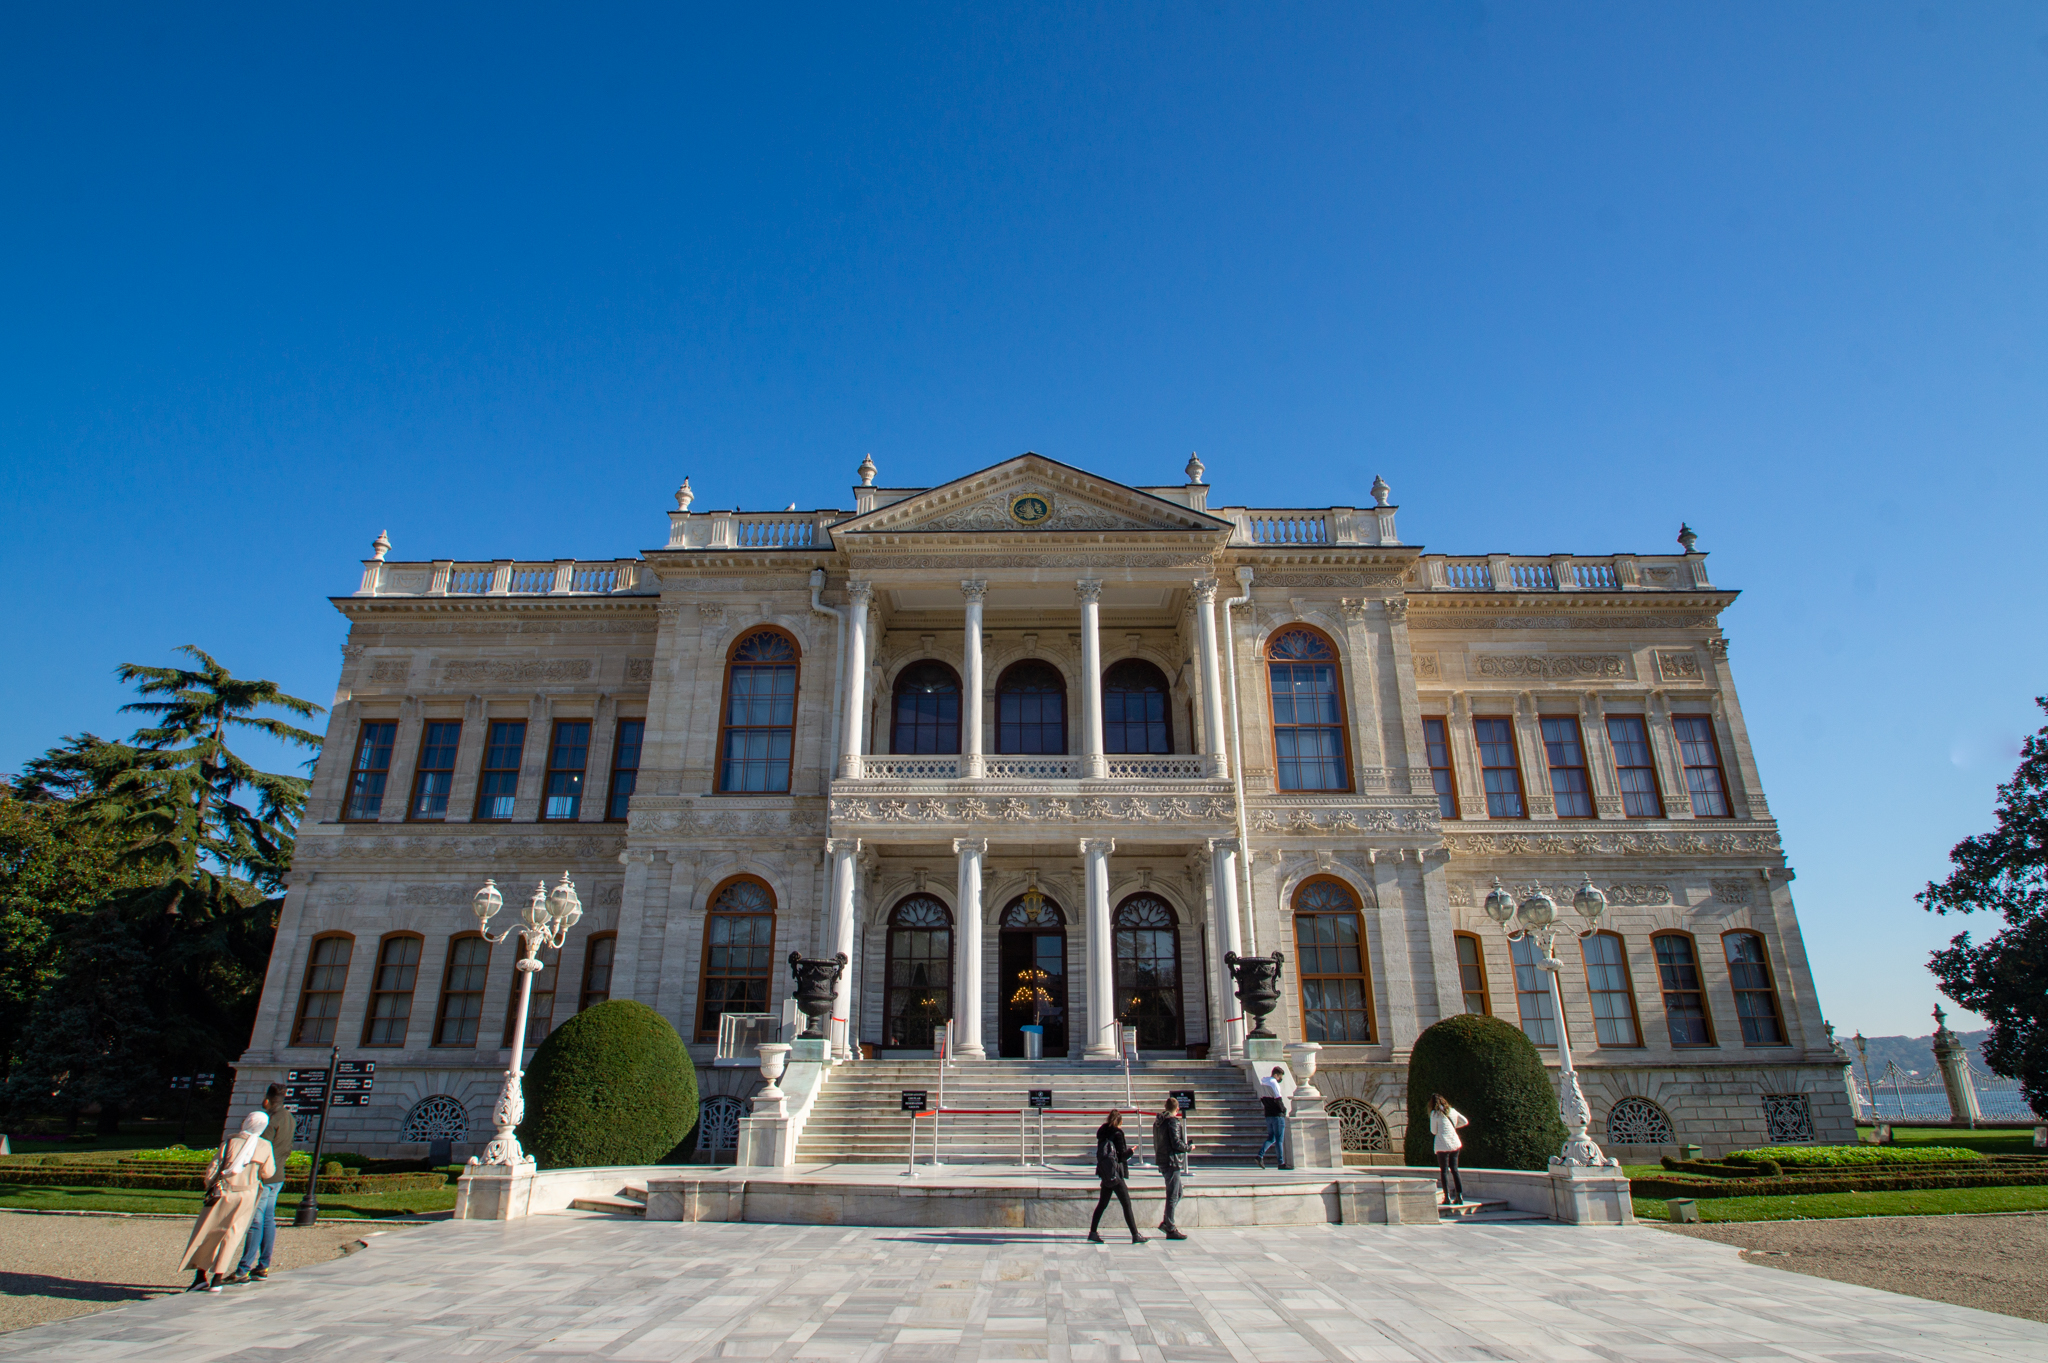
(366, 1205)
(2007, 1142)
(1815, 1206)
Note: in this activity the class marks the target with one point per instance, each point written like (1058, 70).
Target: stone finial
(1940, 1019)
(684, 496)
(381, 545)
(1686, 537)
(1380, 491)
(1194, 469)
(867, 470)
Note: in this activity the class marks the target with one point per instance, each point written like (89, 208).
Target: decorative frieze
(371, 844)
(516, 669)
(1730, 891)
(1018, 809)
(1428, 668)
(1462, 620)
(1679, 667)
(1613, 844)
(1580, 665)
(640, 669)
(390, 669)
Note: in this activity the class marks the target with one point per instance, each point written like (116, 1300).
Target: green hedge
(1844, 1156)
(612, 1085)
(1790, 1185)
(75, 1176)
(1492, 1074)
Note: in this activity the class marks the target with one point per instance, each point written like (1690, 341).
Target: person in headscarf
(217, 1237)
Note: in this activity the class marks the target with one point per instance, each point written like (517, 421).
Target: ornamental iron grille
(718, 1125)
(1360, 1125)
(438, 1118)
(1148, 971)
(1308, 714)
(1789, 1116)
(1638, 1121)
(920, 971)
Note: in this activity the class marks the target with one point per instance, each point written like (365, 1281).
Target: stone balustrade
(1562, 573)
(508, 577)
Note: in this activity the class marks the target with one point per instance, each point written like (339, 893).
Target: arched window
(758, 734)
(1148, 972)
(1031, 709)
(1329, 934)
(320, 998)
(1309, 747)
(1613, 994)
(739, 942)
(1031, 973)
(1472, 974)
(597, 969)
(927, 710)
(398, 971)
(920, 972)
(1532, 992)
(1685, 1000)
(1135, 714)
(462, 990)
(1756, 997)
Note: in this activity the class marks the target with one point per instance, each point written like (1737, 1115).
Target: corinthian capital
(860, 593)
(976, 846)
(1091, 846)
(1088, 589)
(1204, 589)
(973, 590)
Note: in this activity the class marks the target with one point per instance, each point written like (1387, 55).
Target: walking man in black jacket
(1170, 1149)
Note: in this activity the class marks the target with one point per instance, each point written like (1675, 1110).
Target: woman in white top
(1444, 1121)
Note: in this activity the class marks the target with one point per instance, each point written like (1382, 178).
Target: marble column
(967, 936)
(1216, 764)
(970, 683)
(1103, 1042)
(1225, 934)
(858, 594)
(843, 851)
(1089, 592)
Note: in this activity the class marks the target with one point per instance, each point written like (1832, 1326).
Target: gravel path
(1994, 1263)
(57, 1266)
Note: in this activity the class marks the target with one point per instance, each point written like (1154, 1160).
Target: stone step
(1484, 1213)
(615, 1206)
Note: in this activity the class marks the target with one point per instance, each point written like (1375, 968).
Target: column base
(1095, 766)
(1216, 765)
(974, 1052)
(1108, 1053)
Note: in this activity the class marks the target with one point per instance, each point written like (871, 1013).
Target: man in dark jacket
(1112, 1154)
(1170, 1149)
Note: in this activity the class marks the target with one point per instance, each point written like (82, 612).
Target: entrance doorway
(1148, 972)
(1031, 960)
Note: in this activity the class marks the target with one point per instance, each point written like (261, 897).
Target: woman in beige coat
(217, 1238)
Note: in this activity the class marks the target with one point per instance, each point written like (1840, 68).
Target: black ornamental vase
(1258, 987)
(815, 979)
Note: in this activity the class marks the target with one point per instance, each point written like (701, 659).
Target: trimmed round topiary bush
(1492, 1074)
(612, 1085)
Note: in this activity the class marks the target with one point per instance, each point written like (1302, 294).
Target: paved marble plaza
(574, 1286)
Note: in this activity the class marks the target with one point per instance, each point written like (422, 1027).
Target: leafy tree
(2005, 978)
(1492, 1073)
(612, 1085)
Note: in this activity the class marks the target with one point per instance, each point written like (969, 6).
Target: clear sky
(495, 280)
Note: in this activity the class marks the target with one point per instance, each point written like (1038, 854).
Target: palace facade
(1038, 748)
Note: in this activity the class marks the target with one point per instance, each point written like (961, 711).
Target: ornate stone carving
(1203, 589)
(1613, 844)
(390, 669)
(1068, 512)
(1551, 665)
(1428, 668)
(1730, 891)
(1679, 667)
(639, 669)
(1463, 620)
(1718, 646)
(1637, 895)
(1397, 609)
(516, 670)
(1088, 589)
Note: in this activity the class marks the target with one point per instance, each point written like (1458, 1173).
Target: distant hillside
(1913, 1053)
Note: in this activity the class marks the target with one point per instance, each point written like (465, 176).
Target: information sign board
(349, 1100)
(1041, 1097)
(914, 1100)
(355, 1067)
(306, 1077)
(1186, 1098)
(354, 1083)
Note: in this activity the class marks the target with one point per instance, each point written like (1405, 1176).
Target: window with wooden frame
(757, 733)
(1031, 708)
(391, 989)
(562, 795)
(498, 787)
(597, 969)
(434, 773)
(739, 943)
(1472, 974)
(371, 769)
(1533, 1002)
(1614, 996)
(927, 710)
(540, 1004)
(1635, 770)
(625, 767)
(1498, 768)
(462, 990)
(320, 996)
(1336, 990)
(1704, 779)
(1685, 1000)
(1436, 741)
(1566, 754)
(1756, 994)
(1310, 748)
(917, 972)
(1137, 714)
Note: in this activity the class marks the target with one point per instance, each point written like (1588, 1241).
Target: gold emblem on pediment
(1031, 508)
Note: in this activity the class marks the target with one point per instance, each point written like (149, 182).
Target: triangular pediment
(1031, 493)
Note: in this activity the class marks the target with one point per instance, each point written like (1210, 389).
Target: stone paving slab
(574, 1286)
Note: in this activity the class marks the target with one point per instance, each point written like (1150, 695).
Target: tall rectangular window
(1685, 1002)
(320, 1000)
(435, 775)
(1472, 974)
(1532, 993)
(1614, 1001)
(398, 968)
(372, 768)
(1702, 755)
(499, 785)
(568, 755)
(1436, 740)
(1498, 768)
(597, 970)
(625, 766)
(462, 991)
(540, 1005)
(1634, 770)
(1756, 998)
(1567, 758)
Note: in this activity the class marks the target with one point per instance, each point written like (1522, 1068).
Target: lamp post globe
(567, 907)
(1500, 905)
(1537, 912)
(536, 911)
(1589, 902)
(486, 902)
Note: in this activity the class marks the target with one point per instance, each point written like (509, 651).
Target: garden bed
(1839, 1181)
(82, 1175)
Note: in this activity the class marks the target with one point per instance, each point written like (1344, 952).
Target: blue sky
(496, 279)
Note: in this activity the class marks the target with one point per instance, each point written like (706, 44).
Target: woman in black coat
(1112, 1153)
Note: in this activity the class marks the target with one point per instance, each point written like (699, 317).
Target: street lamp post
(1538, 918)
(548, 917)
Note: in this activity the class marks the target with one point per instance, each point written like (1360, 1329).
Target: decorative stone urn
(1258, 987)
(816, 979)
(1301, 1058)
(774, 1060)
